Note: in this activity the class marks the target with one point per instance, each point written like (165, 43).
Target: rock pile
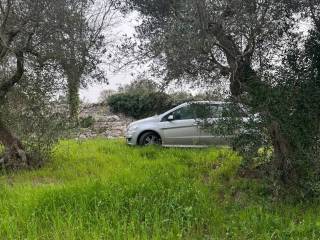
(105, 123)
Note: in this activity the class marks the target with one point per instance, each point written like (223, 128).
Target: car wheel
(149, 138)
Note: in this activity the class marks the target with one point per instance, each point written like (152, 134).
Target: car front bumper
(131, 138)
(129, 141)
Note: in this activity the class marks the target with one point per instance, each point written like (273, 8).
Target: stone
(106, 124)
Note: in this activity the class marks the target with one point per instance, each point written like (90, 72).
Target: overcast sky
(92, 93)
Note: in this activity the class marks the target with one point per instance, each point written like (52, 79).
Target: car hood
(146, 120)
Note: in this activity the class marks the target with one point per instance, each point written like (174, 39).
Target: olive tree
(28, 47)
(240, 42)
(24, 26)
(80, 43)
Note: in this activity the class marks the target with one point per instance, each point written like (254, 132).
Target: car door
(182, 129)
(210, 124)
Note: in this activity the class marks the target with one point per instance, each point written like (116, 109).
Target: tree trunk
(15, 156)
(282, 154)
(244, 79)
(73, 96)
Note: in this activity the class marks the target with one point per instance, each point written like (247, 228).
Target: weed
(103, 189)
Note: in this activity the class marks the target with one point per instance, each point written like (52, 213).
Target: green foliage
(86, 122)
(101, 189)
(293, 103)
(140, 86)
(29, 111)
(299, 112)
(144, 98)
(139, 105)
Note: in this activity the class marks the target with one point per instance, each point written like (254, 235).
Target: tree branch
(313, 15)
(225, 42)
(7, 85)
(218, 64)
(6, 16)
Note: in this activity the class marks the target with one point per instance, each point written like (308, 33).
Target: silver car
(179, 127)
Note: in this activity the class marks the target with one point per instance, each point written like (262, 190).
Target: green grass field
(101, 189)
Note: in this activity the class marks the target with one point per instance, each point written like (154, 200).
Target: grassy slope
(102, 189)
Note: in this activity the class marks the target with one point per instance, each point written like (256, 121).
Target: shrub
(144, 98)
(139, 105)
(86, 122)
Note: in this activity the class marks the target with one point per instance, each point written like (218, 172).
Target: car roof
(205, 102)
(193, 102)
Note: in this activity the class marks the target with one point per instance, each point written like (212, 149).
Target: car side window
(198, 111)
(184, 113)
(204, 111)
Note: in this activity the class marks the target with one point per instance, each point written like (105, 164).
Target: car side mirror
(170, 118)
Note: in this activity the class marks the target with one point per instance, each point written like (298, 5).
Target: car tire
(149, 138)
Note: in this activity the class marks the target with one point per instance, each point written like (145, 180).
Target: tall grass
(101, 189)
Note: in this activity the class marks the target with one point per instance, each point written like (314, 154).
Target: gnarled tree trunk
(282, 153)
(245, 79)
(15, 156)
(245, 85)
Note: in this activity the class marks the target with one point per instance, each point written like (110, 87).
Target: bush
(39, 128)
(139, 105)
(143, 98)
(86, 122)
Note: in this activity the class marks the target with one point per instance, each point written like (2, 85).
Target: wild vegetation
(145, 97)
(268, 188)
(45, 46)
(255, 47)
(101, 189)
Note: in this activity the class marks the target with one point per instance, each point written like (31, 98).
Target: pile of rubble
(104, 124)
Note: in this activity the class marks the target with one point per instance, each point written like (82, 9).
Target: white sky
(92, 93)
